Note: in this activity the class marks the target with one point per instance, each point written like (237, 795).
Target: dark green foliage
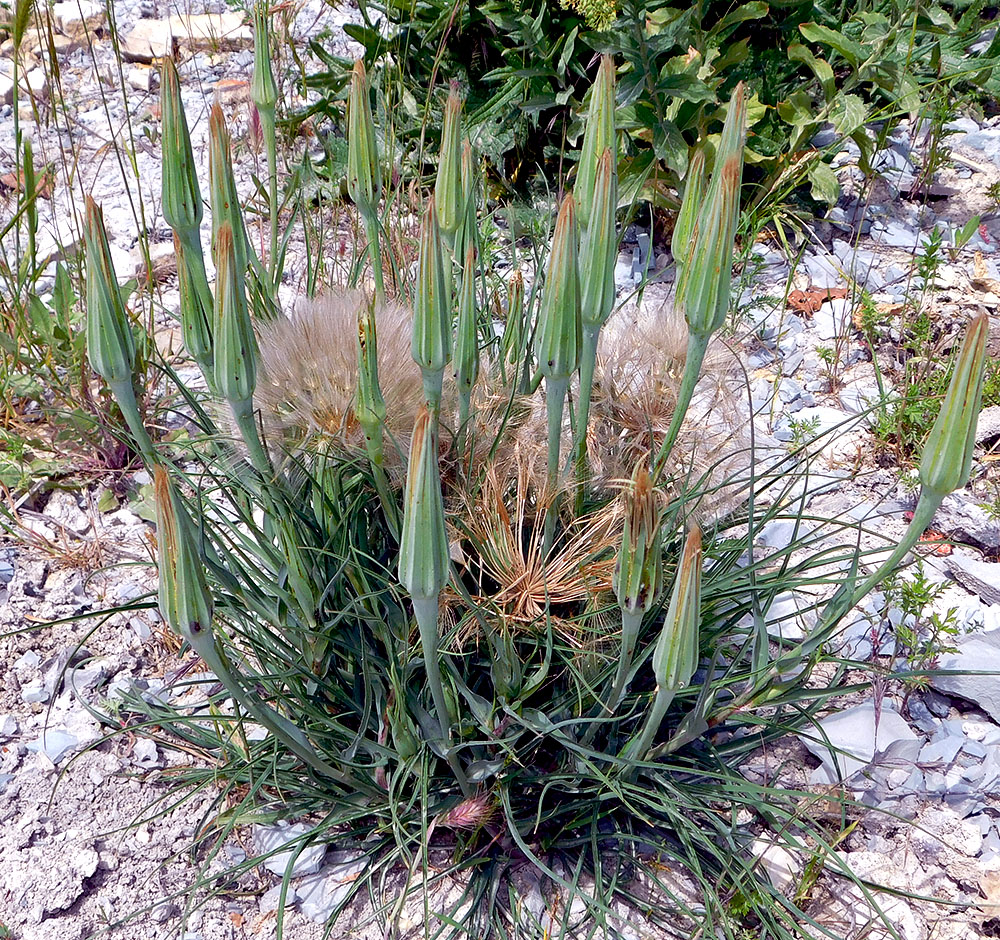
(526, 66)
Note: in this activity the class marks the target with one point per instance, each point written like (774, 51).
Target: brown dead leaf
(237, 918)
(15, 184)
(809, 301)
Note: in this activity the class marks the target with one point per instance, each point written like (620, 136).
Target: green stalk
(555, 397)
(639, 746)
(588, 360)
(264, 93)
(375, 254)
(697, 347)
(243, 413)
(125, 396)
(631, 622)
(425, 609)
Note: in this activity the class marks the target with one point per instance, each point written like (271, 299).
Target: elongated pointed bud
(222, 185)
(598, 136)
(467, 230)
(600, 247)
(263, 89)
(707, 269)
(370, 405)
(513, 340)
(947, 455)
(184, 599)
(557, 342)
(196, 327)
(466, 337)
(110, 344)
(423, 545)
(235, 344)
(675, 657)
(364, 178)
(182, 207)
(431, 342)
(448, 193)
(694, 192)
(638, 577)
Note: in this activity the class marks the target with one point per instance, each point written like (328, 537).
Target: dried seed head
(306, 390)
(472, 813)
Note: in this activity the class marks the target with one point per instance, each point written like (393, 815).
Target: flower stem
(425, 609)
(555, 397)
(696, 348)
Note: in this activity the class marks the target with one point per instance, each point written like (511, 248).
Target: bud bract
(557, 342)
(675, 657)
(110, 344)
(423, 546)
(706, 274)
(181, 194)
(431, 342)
(184, 599)
(448, 191)
(599, 251)
(466, 336)
(235, 344)
(598, 136)
(638, 575)
(364, 178)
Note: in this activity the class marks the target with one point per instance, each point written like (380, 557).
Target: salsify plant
(473, 596)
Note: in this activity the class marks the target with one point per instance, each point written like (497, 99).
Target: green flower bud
(638, 577)
(181, 194)
(222, 186)
(364, 178)
(675, 657)
(196, 327)
(947, 455)
(369, 405)
(184, 599)
(466, 338)
(694, 191)
(707, 269)
(557, 342)
(598, 136)
(513, 340)
(423, 546)
(431, 342)
(110, 344)
(449, 194)
(263, 89)
(466, 234)
(600, 247)
(235, 344)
